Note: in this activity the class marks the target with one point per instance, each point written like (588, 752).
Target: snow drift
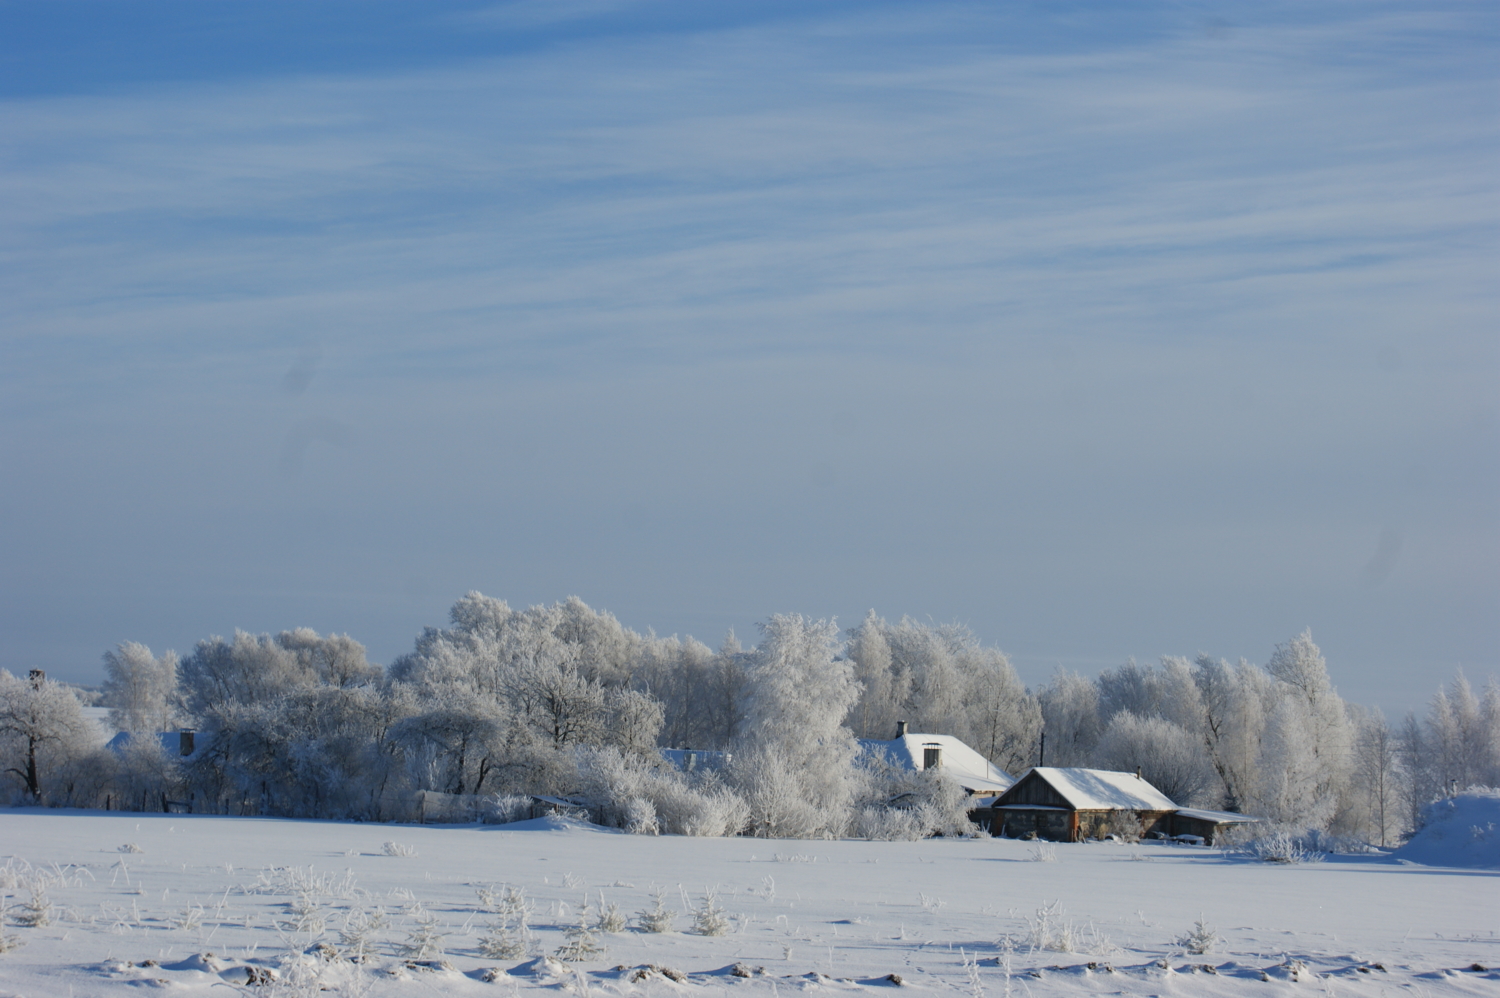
(1461, 831)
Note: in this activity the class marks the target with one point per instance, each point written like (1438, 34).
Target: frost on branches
(563, 701)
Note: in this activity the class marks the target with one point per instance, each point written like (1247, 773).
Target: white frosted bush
(357, 934)
(423, 940)
(509, 937)
(1043, 852)
(889, 824)
(398, 849)
(1202, 939)
(1282, 846)
(708, 918)
(581, 943)
(35, 912)
(502, 809)
(657, 918)
(611, 918)
(640, 817)
(1051, 929)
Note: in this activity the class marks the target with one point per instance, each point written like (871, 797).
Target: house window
(932, 758)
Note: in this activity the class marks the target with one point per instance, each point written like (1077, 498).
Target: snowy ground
(806, 916)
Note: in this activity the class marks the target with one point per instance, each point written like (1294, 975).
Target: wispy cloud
(1104, 304)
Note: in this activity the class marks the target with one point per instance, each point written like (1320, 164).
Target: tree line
(564, 700)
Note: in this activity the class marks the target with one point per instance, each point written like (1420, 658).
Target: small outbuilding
(1070, 805)
(1193, 822)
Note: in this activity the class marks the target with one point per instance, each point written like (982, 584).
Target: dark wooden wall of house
(1032, 789)
(1210, 830)
(1055, 826)
(1134, 824)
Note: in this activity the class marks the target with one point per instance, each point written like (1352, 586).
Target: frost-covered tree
(943, 681)
(140, 689)
(1070, 719)
(221, 676)
(795, 764)
(1168, 757)
(336, 659)
(1457, 744)
(41, 727)
(1322, 721)
(699, 689)
(1292, 786)
(1233, 699)
(1005, 720)
(1375, 780)
(883, 694)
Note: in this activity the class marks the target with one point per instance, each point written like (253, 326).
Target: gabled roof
(966, 767)
(1103, 790)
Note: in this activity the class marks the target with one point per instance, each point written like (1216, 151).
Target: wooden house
(1070, 805)
(1190, 823)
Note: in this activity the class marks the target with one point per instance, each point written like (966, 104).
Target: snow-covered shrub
(423, 940)
(190, 919)
(708, 918)
(1200, 940)
(8, 941)
(35, 912)
(356, 935)
(1051, 929)
(502, 809)
(582, 944)
(398, 849)
(708, 809)
(505, 942)
(902, 805)
(611, 918)
(640, 817)
(1282, 845)
(657, 918)
(509, 936)
(1043, 852)
(307, 916)
(882, 823)
(647, 796)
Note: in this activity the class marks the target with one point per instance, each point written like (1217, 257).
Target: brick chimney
(900, 729)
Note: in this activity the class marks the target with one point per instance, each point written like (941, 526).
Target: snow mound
(1462, 831)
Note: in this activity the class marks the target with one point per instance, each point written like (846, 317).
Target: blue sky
(1109, 331)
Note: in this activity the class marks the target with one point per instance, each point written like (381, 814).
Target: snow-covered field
(208, 902)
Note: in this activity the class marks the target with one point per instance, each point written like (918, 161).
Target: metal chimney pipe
(900, 729)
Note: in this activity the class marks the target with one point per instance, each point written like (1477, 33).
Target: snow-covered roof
(1104, 790)
(171, 743)
(966, 767)
(688, 760)
(1219, 817)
